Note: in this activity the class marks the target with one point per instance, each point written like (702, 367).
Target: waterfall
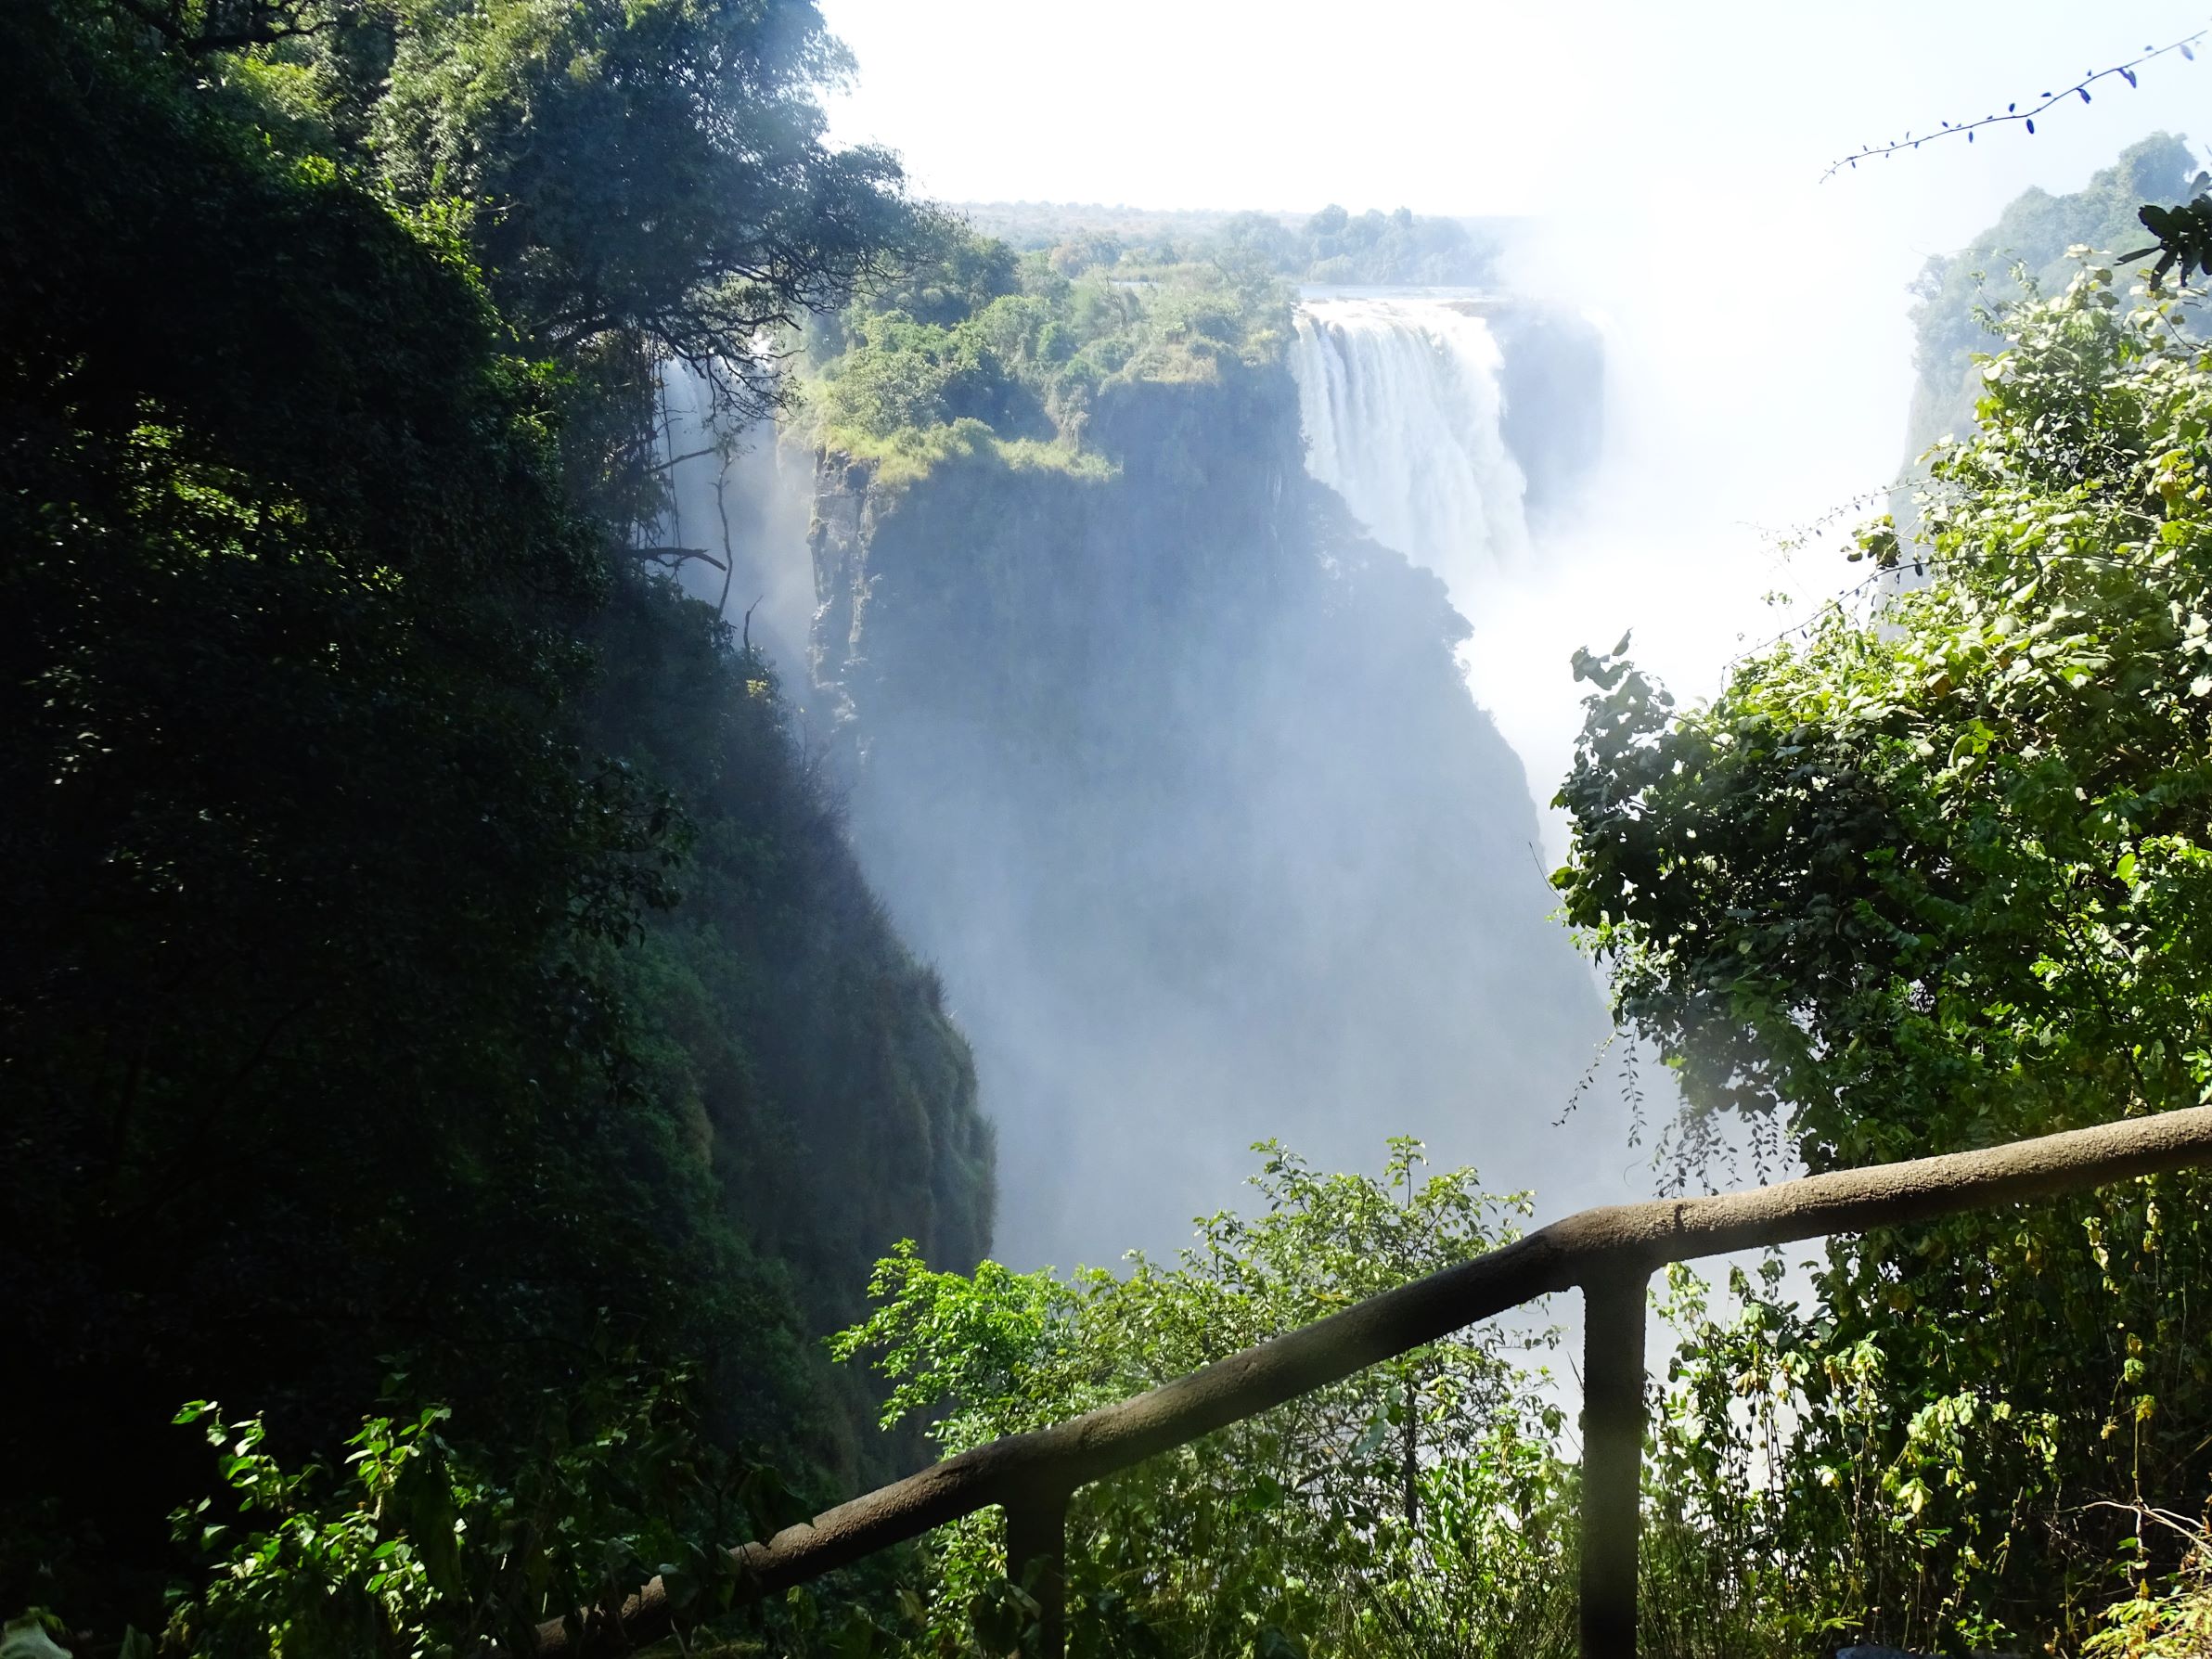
(1404, 411)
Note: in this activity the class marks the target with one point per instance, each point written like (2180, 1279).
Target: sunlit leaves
(1412, 1499)
(1937, 880)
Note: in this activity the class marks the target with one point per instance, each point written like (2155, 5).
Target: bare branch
(674, 461)
(256, 23)
(672, 557)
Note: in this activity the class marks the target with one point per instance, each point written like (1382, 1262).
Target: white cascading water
(1403, 417)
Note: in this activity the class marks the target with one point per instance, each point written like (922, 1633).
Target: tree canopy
(1414, 1505)
(1934, 880)
(377, 825)
(975, 347)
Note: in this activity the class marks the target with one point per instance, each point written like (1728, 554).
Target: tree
(344, 1027)
(656, 168)
(306, 1058)
(1418, 1505)
(1938, 879)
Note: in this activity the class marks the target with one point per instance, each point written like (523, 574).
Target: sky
(1757, 315)
(1481, 107)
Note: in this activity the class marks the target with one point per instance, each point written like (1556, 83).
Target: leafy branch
(2013, 112)
(2184, 233)
(231, 25)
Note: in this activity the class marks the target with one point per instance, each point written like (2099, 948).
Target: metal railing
(1608, 1253)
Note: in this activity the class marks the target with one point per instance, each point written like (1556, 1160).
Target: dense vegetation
(983, 352)
(1001, 344)
(454, 1071)
(1935, 880)
(434, 975)
(1418, 1506)
(1959, 297)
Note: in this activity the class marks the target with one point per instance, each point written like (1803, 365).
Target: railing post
(1609, 1252)
(1612, 1321)
(1036, 1545)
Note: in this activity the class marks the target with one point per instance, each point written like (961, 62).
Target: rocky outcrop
(1174, 775)
(1553, 380)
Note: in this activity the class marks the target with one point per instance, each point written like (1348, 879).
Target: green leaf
(26, 1637)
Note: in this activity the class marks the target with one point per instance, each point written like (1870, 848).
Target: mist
(1175, 774)
(1219, 794)
(758, 742)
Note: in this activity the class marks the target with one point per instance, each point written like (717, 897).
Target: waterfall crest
(1402, 403)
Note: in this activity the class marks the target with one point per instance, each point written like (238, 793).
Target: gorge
(671, 808)
(1162, 755)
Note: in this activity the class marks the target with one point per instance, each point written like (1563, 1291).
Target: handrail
(1609, 1253)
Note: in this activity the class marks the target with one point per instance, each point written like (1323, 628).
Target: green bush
(1418, 1506)
(1936, 880)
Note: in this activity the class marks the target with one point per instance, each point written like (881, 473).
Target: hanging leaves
(2184, 233)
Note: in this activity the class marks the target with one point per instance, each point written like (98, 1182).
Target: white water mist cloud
(1758, 342)
(1760, 348)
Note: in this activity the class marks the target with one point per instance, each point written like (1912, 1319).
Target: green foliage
(362, 1580)
(1718, 1577)
(1417, 1505)
(411, 1546)
(427, 939)
(2183, 233)
(1786, 1511)
(1935, 880)
(430, 937)
(780, 1020)
(655, 165)
(1952, 320)
(972, 354)
(637, 182)
(304, 866)
(2168, 1620)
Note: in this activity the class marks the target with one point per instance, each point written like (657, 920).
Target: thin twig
(2015, 113)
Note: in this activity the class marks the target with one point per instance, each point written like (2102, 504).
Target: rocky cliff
(1174, 775)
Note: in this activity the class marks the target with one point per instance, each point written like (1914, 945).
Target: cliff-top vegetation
(981, 350)
(1004, 347)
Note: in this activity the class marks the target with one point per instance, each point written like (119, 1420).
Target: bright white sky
(1760, 346)
(1484, 108)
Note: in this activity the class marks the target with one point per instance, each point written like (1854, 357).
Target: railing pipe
(1584, 1249)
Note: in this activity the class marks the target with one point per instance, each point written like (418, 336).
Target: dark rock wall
(1174, 777)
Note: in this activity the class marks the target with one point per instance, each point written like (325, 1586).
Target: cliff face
(1174, 777)
(827, 1100)
(1553, 385)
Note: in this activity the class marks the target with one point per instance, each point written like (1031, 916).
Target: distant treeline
(1399, 248)
(978, 345)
